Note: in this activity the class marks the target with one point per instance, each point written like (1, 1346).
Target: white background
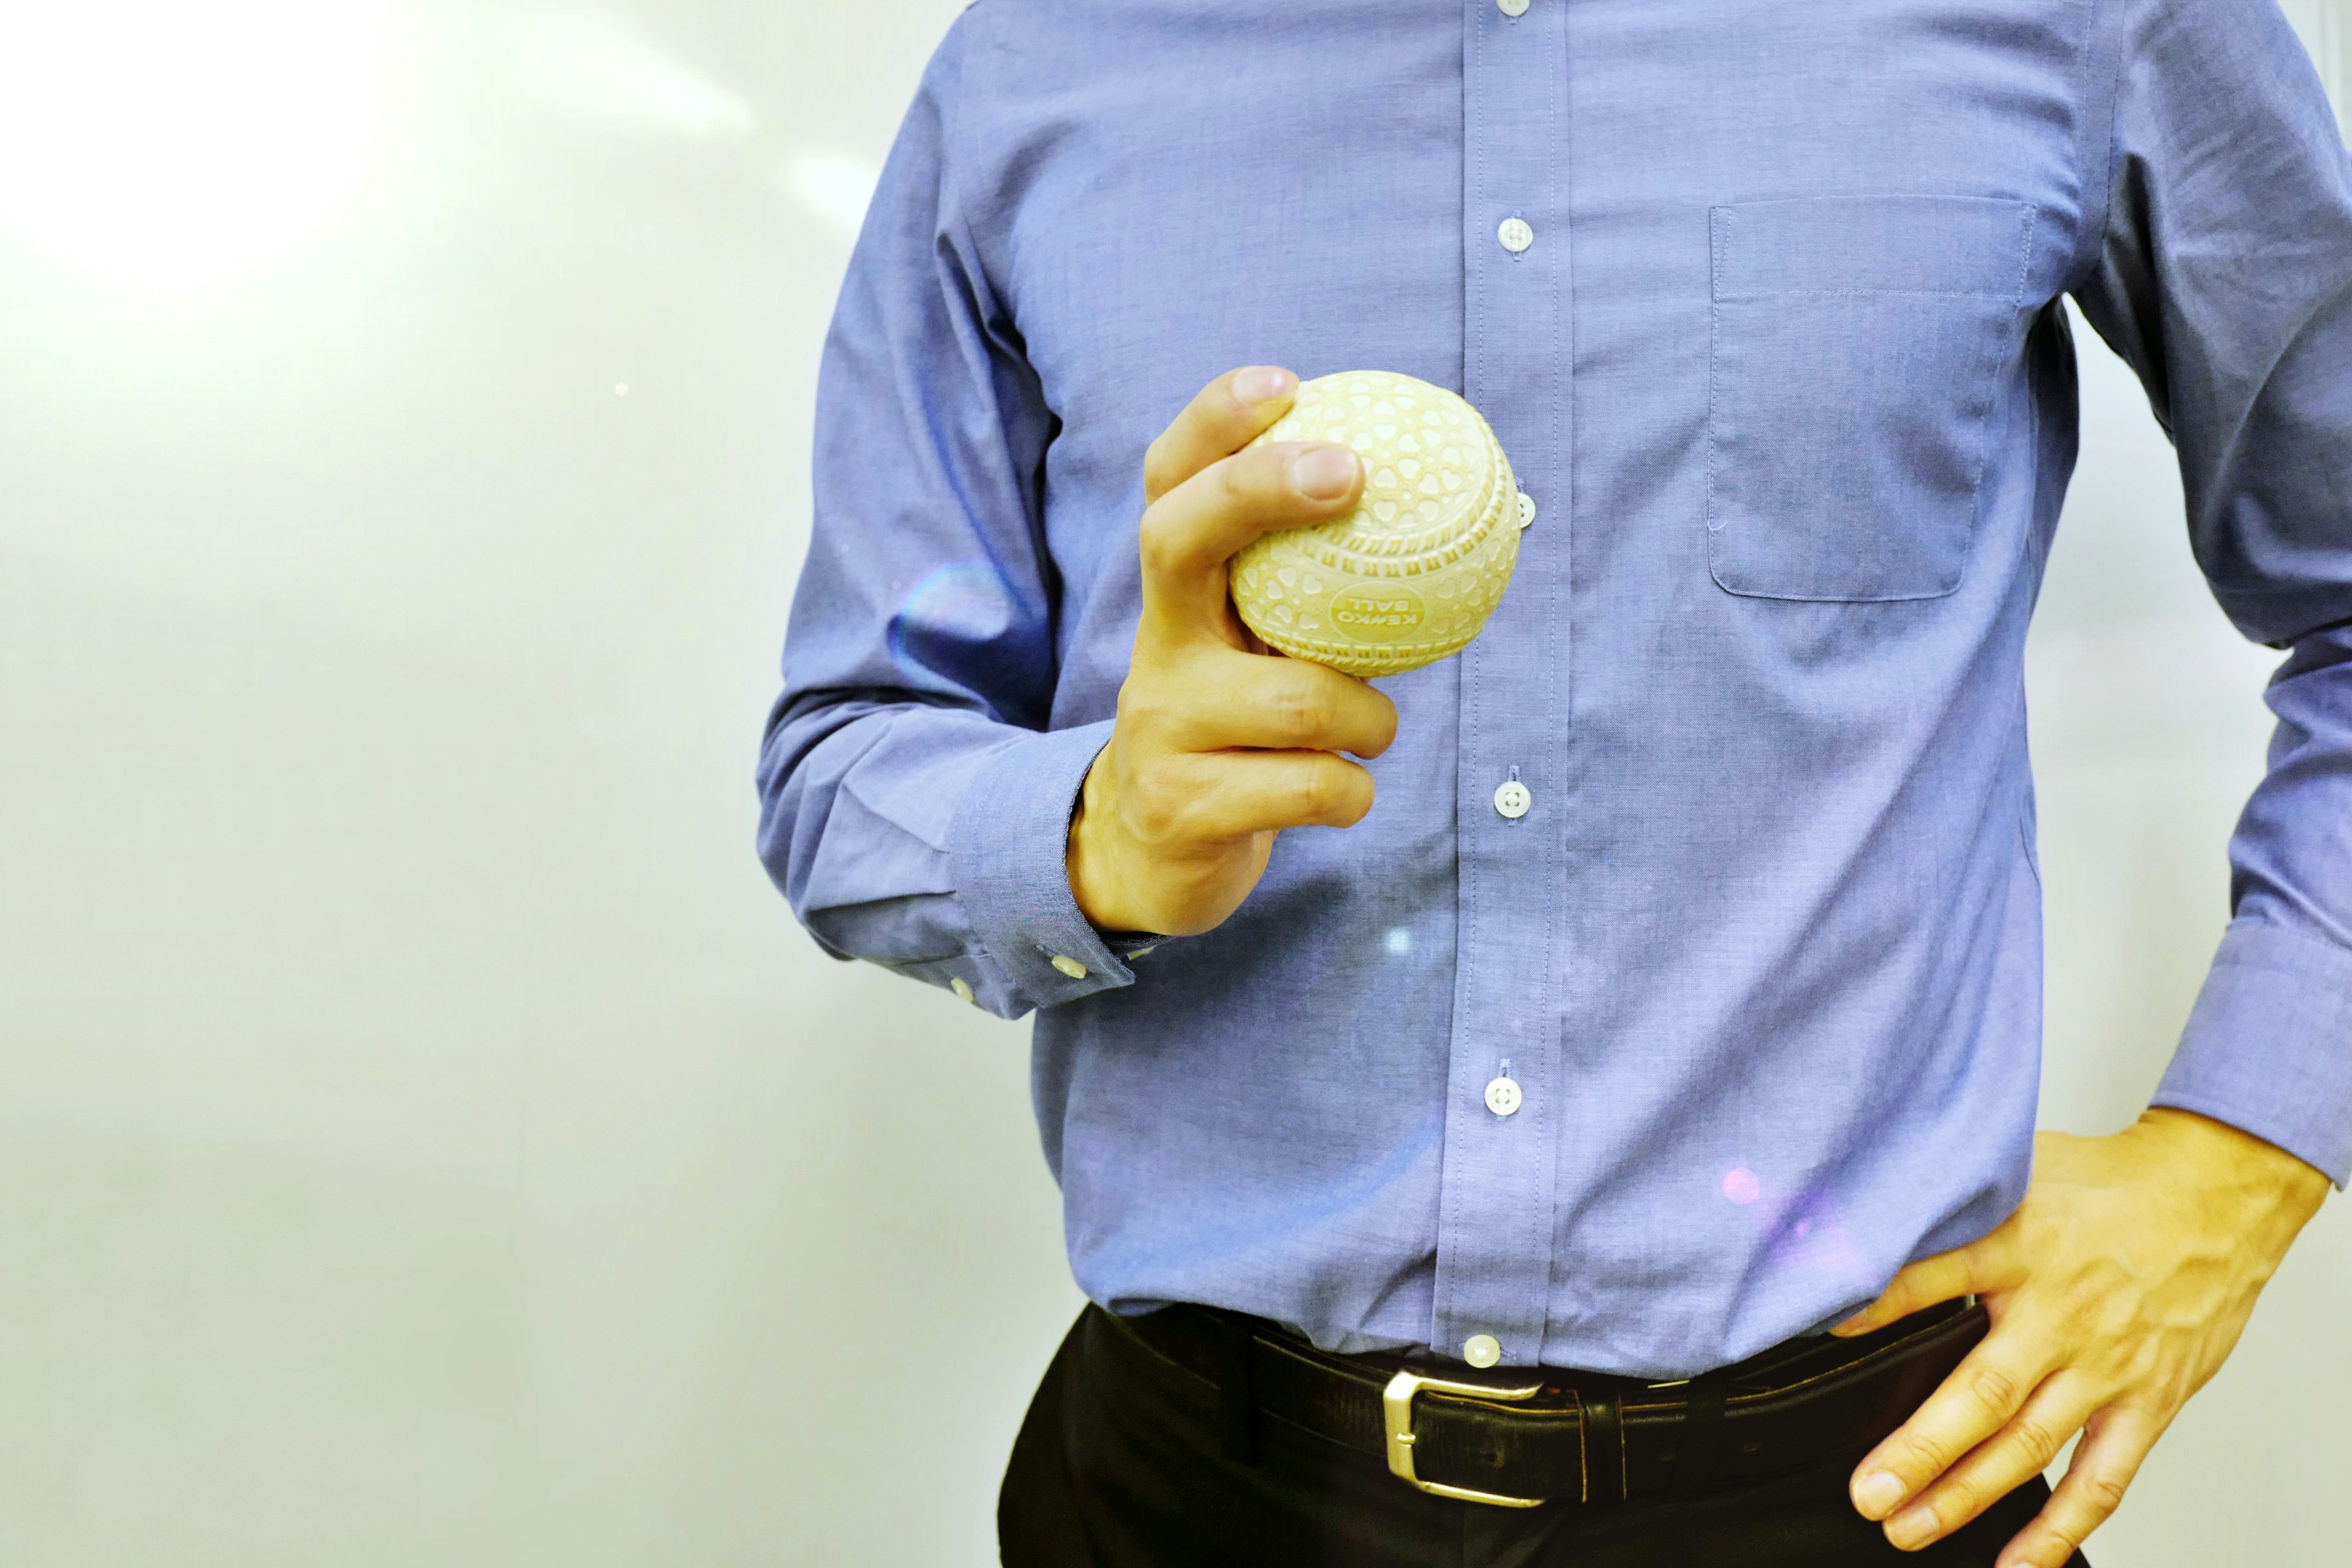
(424, 1134)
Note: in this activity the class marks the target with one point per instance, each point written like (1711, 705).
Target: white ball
(1410, 574)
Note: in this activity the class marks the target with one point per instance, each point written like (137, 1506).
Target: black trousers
(1118, 1466)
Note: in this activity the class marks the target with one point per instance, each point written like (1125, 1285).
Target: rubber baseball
(1411, 575)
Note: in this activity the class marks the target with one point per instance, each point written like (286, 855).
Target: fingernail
(1877, 1493)
(1262, 384)
(1913, 1527)
(1324, 473)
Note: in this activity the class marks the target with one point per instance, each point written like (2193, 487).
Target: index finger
(1988, 1387)
(1224, 417)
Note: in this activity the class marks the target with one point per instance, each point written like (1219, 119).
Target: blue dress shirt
(1786, 370)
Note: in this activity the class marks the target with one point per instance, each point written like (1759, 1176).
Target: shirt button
(1482, 1350)
(1502, 1097)
(1516, 235)
(1526, 509)
(1069, 966)
(963, 994)
(1513, 799)
(1512, 7)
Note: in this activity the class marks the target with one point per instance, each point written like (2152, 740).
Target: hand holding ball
(1411, 574)
(1378, 562)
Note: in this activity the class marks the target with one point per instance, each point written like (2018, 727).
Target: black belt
(1517, 1439)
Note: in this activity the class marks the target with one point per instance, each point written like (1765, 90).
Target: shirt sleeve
(914, 804)
(2223, 274)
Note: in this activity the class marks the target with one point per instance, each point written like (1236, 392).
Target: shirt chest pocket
(1858, 343)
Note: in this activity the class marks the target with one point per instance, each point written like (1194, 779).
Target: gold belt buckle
(1397, 1401)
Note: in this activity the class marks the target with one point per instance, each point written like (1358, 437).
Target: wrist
(1091, 884)
(2269, 1189)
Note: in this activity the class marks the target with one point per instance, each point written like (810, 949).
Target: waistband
(1522, 1437)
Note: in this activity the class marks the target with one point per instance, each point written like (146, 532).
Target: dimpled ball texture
(1410, 574)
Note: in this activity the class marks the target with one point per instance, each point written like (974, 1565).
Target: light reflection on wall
(588, 65)
(833, 187)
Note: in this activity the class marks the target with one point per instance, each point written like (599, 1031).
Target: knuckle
(1143, 710)
(1143, 704)
(2037, 1439)
(1310, 792)
(1922, 1458)
(1995, 1389)
(1156, 805)
(1963, 1497)
(1158, 465)
(1237, 482)
(1322, 790)
(1159, 544)
(1302, 707)
(2048, 1548)
(1347, 792)
(2104, 1493)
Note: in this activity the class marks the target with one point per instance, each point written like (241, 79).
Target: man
(1608, 1105)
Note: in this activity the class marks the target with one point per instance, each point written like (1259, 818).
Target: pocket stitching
(1981, 411)
(1715, 241)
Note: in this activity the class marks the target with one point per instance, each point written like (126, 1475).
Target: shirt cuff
(2268, 1049)
(1009, 847)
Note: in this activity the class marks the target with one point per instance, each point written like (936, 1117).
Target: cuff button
(1069, 966)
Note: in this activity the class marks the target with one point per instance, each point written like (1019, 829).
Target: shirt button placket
(1496, 1228)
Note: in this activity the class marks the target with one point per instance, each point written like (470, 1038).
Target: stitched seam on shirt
(1852, 293)
(1562, 648)
(1714, 247)
(2029, 222)
(1465, 953)
(2098, 180)
(2026, 227)
(2336, 950)
(951, 130)
(2025, 232)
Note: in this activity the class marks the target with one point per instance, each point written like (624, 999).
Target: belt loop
(1236, 1393)
(1701, 1438)
(1694, 1452)
(1604, 1446)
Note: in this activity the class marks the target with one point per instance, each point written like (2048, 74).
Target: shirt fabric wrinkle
(1786, 369)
